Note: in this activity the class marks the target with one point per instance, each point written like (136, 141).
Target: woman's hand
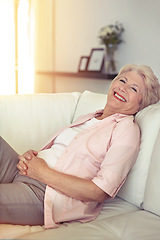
(22, 166)
(31, 165)
(75, 187)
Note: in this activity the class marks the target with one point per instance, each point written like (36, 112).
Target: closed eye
(134, 89)
(122, 80)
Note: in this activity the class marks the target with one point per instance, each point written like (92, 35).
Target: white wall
(44, 35)
(77, 24)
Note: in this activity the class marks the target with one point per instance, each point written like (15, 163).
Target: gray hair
(152, 85)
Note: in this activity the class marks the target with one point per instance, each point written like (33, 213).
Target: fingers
(22, 165)
(22, 168)
(35, 152)
(22, 158)
(28, 155)
(23, 161)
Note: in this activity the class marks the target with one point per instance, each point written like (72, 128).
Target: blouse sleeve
(120, 157)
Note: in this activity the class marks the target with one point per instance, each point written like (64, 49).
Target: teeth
(120, 97)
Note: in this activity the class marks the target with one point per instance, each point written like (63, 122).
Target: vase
(109, 61)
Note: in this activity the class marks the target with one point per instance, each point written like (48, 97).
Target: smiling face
(125, 94)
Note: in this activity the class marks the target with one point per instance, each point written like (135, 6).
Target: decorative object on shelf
(96, 59)
(83, 64)
(110, 36)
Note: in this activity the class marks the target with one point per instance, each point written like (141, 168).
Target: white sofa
(28, 121)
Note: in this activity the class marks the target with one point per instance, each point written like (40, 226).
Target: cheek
(140, 104)
(112, 85)
(137, 101)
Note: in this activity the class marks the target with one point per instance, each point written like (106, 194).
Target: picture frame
(83, 63)
(96, 60)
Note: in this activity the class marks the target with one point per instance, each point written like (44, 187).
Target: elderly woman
(83, 164)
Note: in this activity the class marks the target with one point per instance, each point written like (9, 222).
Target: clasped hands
(31, 165)
(34, 167)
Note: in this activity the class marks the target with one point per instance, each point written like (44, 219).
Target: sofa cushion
(28, 121)
(10, 231)
(125, 225)
(152, 190)
(96, 229)
(90, 102)
(149, 122)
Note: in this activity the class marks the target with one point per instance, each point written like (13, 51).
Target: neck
(107, 112)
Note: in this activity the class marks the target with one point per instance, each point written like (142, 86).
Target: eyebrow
(126, 79)
(123, 77)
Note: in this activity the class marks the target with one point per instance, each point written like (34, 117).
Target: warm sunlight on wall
(7, 46)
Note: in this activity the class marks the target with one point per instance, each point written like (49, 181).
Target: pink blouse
(104, 154)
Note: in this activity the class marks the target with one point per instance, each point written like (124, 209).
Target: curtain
(22, 63)
(7, 47)
(26, 44)
(25, 47)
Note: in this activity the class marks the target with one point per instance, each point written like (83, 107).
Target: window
(16, 47)
(25, 47)
(7, 47)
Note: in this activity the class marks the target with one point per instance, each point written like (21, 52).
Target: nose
(123, 88)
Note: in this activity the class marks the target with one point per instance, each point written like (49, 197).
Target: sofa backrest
(152, 189)
(89, 102)
(28, 121)
(149, 123)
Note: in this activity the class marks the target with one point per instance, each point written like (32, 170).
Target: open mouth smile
(120, 97)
